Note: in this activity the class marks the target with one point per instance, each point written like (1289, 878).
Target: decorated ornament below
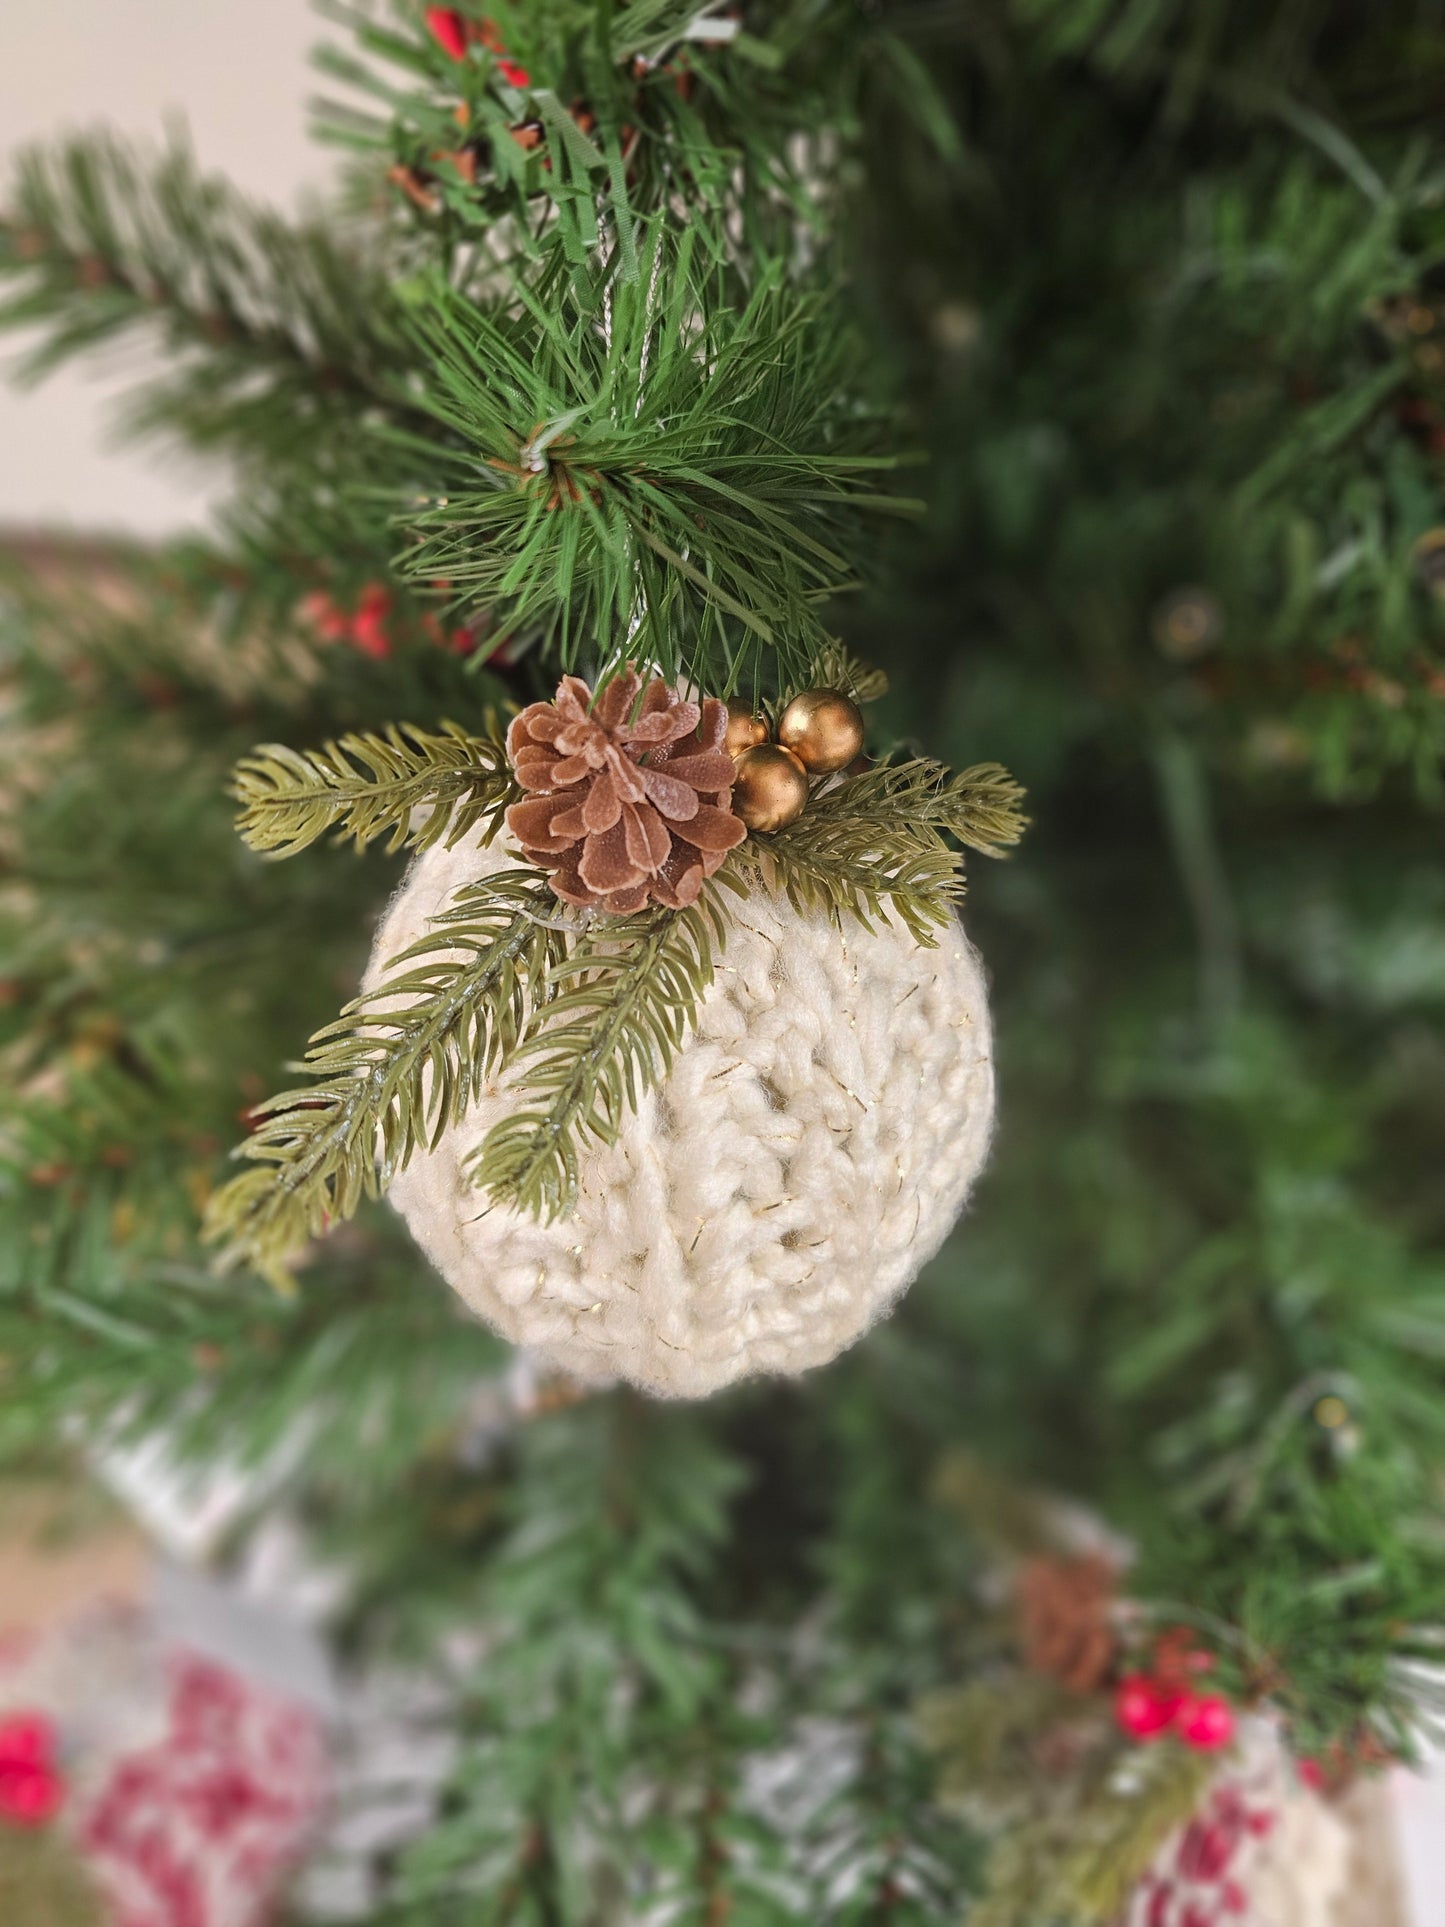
(189, 1792)
(729, 1074)
(809, 1150)
(1260, 1851)
(776, 1194)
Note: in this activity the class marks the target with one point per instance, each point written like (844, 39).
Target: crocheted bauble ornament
(806, 1154)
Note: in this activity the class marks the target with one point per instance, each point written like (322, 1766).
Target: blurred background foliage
(1159, 287)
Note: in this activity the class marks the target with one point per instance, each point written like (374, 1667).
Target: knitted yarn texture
(807, 1153)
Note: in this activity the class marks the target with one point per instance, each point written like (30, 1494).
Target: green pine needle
(454, 1005)
(835, 667)
(879, 842)
(1067, 1847)
(367, 786)
(1080, 1863)
(673, 460)
(271, 328)
(620, 1007)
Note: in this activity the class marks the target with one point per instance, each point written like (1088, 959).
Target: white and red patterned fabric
(203, 1826)
(1263, 1850)
(191, 1792)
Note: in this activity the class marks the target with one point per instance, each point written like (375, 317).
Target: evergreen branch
(978, 807)
(835, 667)
(1066, 1847)
(271, 323)
(1082, 1864)
(402, 1063)
(878, 842)
(671, 459)
(615, 129)
(369, 786)
(842, 869)
(620, 1007)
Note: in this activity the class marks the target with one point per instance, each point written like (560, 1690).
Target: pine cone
(627, 812)
(1064, 1612)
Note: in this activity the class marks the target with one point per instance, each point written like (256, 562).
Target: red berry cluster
(454, 33)
(1166, 1699)
(367, 624)
(31, 1788)
(364, 626)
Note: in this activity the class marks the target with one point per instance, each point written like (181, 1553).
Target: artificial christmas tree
(615, 349)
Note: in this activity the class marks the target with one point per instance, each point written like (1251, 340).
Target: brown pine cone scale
(627, 809)
(1066, 1620)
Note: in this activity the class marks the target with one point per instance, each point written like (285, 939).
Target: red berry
(1176, 1657)
(449, 30)
(368, 625)
(1205, 1723)
(330, 623)
(30, 1795)
(513, 74)
(1144, 1707)
(27, 1739)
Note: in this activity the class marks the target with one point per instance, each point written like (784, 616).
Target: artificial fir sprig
(1067, 1846)
(834, 666)
(620, 1005)
(517, 118)
(402, 1063)
(680, 460)
(372, 785)
(879, 841)
(270, 326)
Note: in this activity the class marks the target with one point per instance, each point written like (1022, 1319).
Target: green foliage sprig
(620, 107)
(371, 785)
(402, 1063)
(880, 841)
(619, 1008)
(673, 460)
(836, 667)
(1068, 1846)
(270, 325)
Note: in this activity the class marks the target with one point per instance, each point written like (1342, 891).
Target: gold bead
(770, 787)
(823, 728)
(746, 728)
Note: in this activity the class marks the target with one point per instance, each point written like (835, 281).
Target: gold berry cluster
(818, 733)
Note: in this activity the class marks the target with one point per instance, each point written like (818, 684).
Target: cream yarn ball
(807, 1153)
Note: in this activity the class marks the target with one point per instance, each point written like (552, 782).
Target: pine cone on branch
(1065, 1620)
(628, 809)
